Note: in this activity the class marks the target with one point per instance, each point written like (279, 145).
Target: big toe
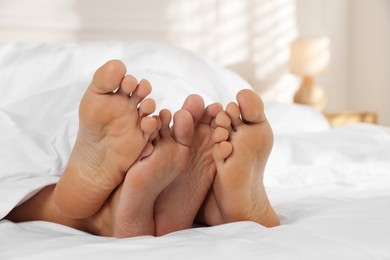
(183, 127)
(108, 77)
(251, 106)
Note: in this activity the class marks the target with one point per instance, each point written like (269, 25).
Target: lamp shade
(310, 56)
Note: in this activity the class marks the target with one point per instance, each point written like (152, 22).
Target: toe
(251, 106)
(155, 135)
(159, 123)
(195, 105)
(148, 126)
(147, 107)
(165, 116)
(108, 77)
(183, 127)
(233, 111)
(222, 151)
(143, 89)
(220, 134)
(223, 120)
(128, 85)
(210, 113)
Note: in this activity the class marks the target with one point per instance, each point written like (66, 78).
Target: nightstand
(348, 117)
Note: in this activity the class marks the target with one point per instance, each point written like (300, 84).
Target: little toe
(251, 106)
(143, 89)
(183, 127)
(158, 128)
(154, 136)
(165, 117)
(108, 77)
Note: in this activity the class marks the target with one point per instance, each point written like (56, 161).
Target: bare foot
(238, 192)
(129, 211)
(178, 204)
(113, 131)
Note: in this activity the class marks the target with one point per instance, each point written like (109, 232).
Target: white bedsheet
(330, 187)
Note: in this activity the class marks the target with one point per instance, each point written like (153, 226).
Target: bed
(330, 187)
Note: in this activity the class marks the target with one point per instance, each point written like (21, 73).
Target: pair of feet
(131, 174)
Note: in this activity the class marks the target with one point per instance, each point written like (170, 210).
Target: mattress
(330, 187)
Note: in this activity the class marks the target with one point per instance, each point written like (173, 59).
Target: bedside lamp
(309, 58)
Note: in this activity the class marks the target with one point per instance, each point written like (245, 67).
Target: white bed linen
(331, 188)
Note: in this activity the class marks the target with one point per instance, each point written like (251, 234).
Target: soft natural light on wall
(273, 31)
(232, 32)
(251, 37)
(191, 24)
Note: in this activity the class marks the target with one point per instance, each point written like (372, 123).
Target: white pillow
(35, 68)
(294, 118)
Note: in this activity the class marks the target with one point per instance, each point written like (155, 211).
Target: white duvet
(330, 187)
